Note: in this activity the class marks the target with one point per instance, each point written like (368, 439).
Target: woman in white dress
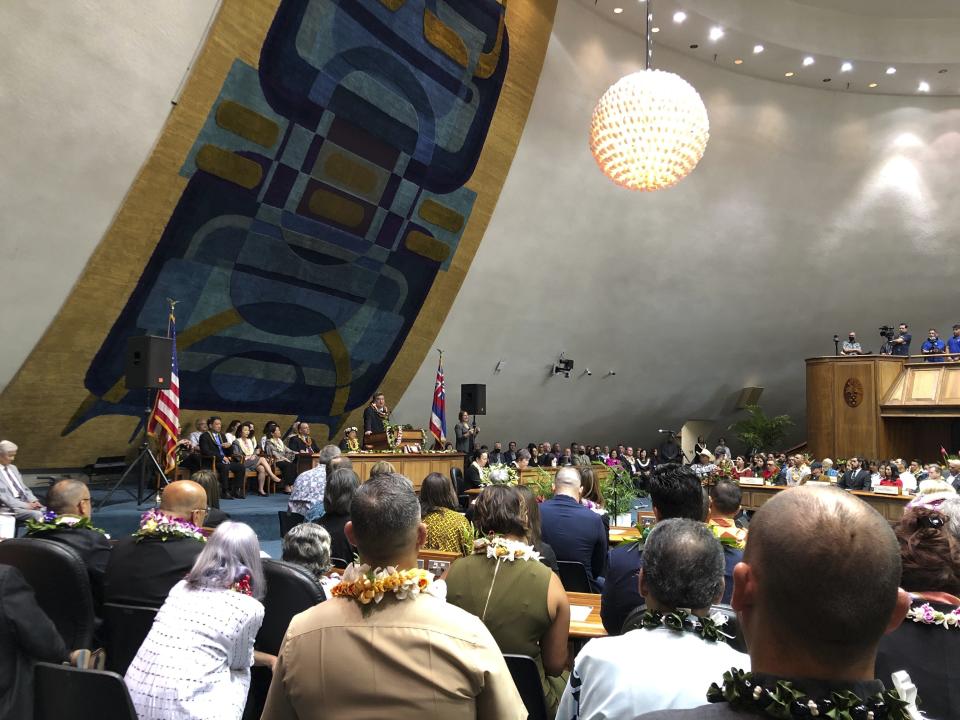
(195, 662)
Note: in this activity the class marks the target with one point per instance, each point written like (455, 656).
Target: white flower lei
(500, 548)
(926, 615)
(499, 474)
(366, 585)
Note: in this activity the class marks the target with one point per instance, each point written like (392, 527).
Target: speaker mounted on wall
(148, 362)
(749, 396)
(473, 399)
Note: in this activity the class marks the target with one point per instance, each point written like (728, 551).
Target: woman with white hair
(308, 545)
(195, 661)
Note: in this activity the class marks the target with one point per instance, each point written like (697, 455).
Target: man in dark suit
(214, 446)
(855, 478)
(303, 442)
(575, 532)
(143, 569)
(70, 500)
(510, 454)
(375, 416)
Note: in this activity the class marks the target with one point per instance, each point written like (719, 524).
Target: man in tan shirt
(413, 658)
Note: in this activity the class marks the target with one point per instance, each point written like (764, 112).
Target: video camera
(887, 332)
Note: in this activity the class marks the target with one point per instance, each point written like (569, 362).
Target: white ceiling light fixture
(757, 49)
(649, 130)
(891, 70)
(679, 16)
(617, 11)
(656, 29)
(808, 60)
(716, 33)
(924, 86)
(846, 67)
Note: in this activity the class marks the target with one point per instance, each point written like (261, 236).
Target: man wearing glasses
(68, 502)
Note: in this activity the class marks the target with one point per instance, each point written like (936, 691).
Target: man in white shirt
(907, 478)
(658, 668)
(15, 496)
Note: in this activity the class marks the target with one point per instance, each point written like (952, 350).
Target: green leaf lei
(785, 702)
(680, 621)
(52, 522)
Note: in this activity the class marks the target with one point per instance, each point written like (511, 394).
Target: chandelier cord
(649, 39)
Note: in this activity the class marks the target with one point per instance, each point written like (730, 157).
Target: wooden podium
(405, 439)
(882, 406)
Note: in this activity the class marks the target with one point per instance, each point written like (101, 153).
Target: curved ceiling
(811, 42)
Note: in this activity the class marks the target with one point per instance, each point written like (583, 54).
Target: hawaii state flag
(438, 415)
(164, 423)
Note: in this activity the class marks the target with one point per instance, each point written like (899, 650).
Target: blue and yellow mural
(326, 191)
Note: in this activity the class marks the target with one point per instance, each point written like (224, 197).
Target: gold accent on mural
(229, 166)
(350, 174)
(247, 123)
(441, 216)
(341, 363)
(427, 246)
(393, 4)
(336, 208)
(853, 392)
(445, 39)
(487, 62)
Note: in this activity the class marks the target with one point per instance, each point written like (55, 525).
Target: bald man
(70, 500)
(143, 569)
(817, 589)
(575, 532)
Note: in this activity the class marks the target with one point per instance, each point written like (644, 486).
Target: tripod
(144, 460)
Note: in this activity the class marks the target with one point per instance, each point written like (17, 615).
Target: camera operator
(901, 341)
(933, 345)
(851, 346)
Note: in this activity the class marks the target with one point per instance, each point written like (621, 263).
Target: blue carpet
(260, 513)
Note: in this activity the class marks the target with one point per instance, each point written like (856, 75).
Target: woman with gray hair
(308, 545)
(195, 661)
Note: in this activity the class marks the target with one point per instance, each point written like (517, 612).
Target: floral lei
(157, 524)
(242, 585)
(681, 620)
(926, 615)
(786, 702)
(52, 521)
(499, 474)
(500, 548)
(353, 445)
(366, 585)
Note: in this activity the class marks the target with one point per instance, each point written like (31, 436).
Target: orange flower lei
(365, 584)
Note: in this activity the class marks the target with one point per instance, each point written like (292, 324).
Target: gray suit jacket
(7, 498)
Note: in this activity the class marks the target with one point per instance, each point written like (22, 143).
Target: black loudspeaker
(148, 362)
(473, 399)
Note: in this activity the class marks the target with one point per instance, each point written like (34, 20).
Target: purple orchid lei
(155, 523)
(927, 615)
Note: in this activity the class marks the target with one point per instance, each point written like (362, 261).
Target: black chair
(62, 691)
(60, 582)
(125, 627)
(574, 576)
(290, 590)
(731, 627)
(456, 476)
(339, 563)
(526, 677)
(288, 520)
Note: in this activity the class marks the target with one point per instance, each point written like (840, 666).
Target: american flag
(438, 415)
(164, 423)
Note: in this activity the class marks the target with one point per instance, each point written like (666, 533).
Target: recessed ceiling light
(694, 46)
(679, 16)
(846, 67)
(716, 33)
(757, 49)
(891, 70)
(738, 61)
(923, 86)
(941, 71)
(617, 11)
(788, 74)
(872, 85)
(826, 80)
(808, 60)
(654, 29)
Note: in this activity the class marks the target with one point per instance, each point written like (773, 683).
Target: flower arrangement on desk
(394, 436)
(499, 474)
(724, 469)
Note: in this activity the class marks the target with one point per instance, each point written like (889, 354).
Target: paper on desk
(579, 613)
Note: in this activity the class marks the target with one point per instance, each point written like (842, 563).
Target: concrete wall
(811, 213)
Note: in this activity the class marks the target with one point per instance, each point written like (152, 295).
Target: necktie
(18, 490)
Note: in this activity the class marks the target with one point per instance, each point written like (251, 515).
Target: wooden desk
(414, 466)
(890, 506)
(592, 627)
(623, 534)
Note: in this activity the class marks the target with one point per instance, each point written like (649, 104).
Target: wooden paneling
(411, 465)
(820, 416)
(890, 506)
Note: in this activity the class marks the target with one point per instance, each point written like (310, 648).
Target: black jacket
(472, 477)
(142, 573)
(859, 480)
(297, 444)
(372, 422)
(27, 635)
(209, 449)
(92, 546)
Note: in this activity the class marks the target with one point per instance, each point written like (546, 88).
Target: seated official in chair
(195, 661)
(519, 599)
(215, 448)
(144, 566)
(678, 651)
(15, 496)
(409, 655)
(67, 521)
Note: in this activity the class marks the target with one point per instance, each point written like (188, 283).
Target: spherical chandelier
(650, 129)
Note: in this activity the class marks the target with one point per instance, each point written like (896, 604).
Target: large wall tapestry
(333, 192)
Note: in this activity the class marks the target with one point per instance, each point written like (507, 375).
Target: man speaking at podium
(375, 416)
